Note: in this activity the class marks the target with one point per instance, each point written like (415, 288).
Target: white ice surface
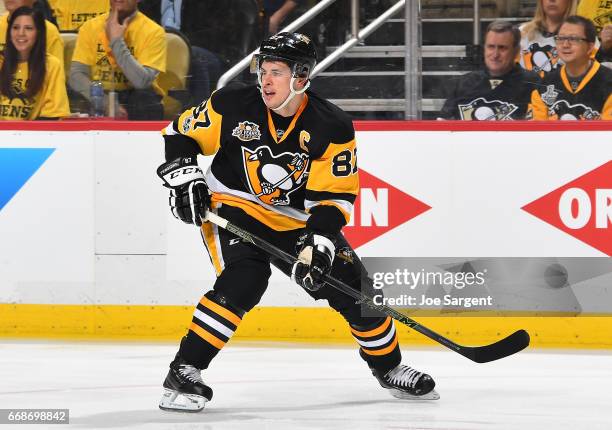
(297, 387)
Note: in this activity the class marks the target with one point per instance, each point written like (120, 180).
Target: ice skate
(404, 382)
(184, 390)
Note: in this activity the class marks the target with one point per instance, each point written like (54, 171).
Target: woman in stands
(538, 49)
(32, 83)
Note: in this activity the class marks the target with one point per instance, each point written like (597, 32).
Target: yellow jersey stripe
(225, 313)
(374, 332)
(213, 340)
(209, 238)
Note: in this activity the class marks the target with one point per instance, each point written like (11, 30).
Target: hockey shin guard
(379, 345)
(213, 324)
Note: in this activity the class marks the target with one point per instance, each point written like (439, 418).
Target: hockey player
(502, 90)
(285, 169)
(581, 89)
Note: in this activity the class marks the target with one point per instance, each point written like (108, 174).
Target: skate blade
(432, 395)
(178, 402)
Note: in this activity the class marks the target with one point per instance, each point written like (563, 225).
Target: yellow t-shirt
(145, 39)
(72, 14)
(55, 46)
(50, 102)
(600, 12)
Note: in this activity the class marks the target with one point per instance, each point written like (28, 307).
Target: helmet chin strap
(292, 92)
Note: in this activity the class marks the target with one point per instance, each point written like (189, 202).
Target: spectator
(32, 83)
(126, 51)
(227, 28)
(600, 12)
(43, 6)
(54, 46)
(276, 13)
(205, 66)
(72, 14)
(502, 90)
(581, 88)
(538, 49)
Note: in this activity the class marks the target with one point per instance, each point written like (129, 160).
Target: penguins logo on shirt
(562, 110)
(272, 178)
(601, 20)
(481, 109)
(19, 93)
(103, 62)
(540, 58)
(247, 131)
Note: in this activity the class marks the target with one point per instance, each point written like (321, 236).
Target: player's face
(555, 9)
(499, 53)
(23, 35)
(275, 81)
(571, 46)
(11, 5)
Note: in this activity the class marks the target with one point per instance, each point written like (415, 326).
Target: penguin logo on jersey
(187, 123)
(303, 38)
(272, 178)
(345, 254)
(540, 58)
(562, 110)
(247, 131)
(483, 110)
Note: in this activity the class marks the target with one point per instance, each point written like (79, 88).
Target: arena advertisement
(84, 219)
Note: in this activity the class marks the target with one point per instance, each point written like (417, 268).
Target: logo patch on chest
(247, 131)
(272, 178)
(483, 110)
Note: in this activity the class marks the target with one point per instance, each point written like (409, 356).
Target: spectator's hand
(122, 112)
(606, 38)
(114, 30)
(274, 24)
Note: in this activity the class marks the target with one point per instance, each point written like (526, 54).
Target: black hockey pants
(243, 271)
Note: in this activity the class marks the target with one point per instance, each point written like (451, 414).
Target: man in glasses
(581, 89)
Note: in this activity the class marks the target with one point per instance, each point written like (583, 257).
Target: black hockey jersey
(478, 96)
(592, 99)
(275, 179)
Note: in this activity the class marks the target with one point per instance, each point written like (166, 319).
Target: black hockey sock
(213, 324)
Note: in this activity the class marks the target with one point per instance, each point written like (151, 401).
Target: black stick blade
(512, 344)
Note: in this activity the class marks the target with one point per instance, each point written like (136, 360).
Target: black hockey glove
(314, 261)
(189, 197)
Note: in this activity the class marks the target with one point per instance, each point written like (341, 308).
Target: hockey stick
(512, 344)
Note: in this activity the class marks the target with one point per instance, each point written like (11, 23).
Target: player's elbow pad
(326, 219)
(180, 146)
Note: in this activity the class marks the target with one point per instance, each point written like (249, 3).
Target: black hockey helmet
(295, 49)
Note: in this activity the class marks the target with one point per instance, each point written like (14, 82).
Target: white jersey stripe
(216, 186)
